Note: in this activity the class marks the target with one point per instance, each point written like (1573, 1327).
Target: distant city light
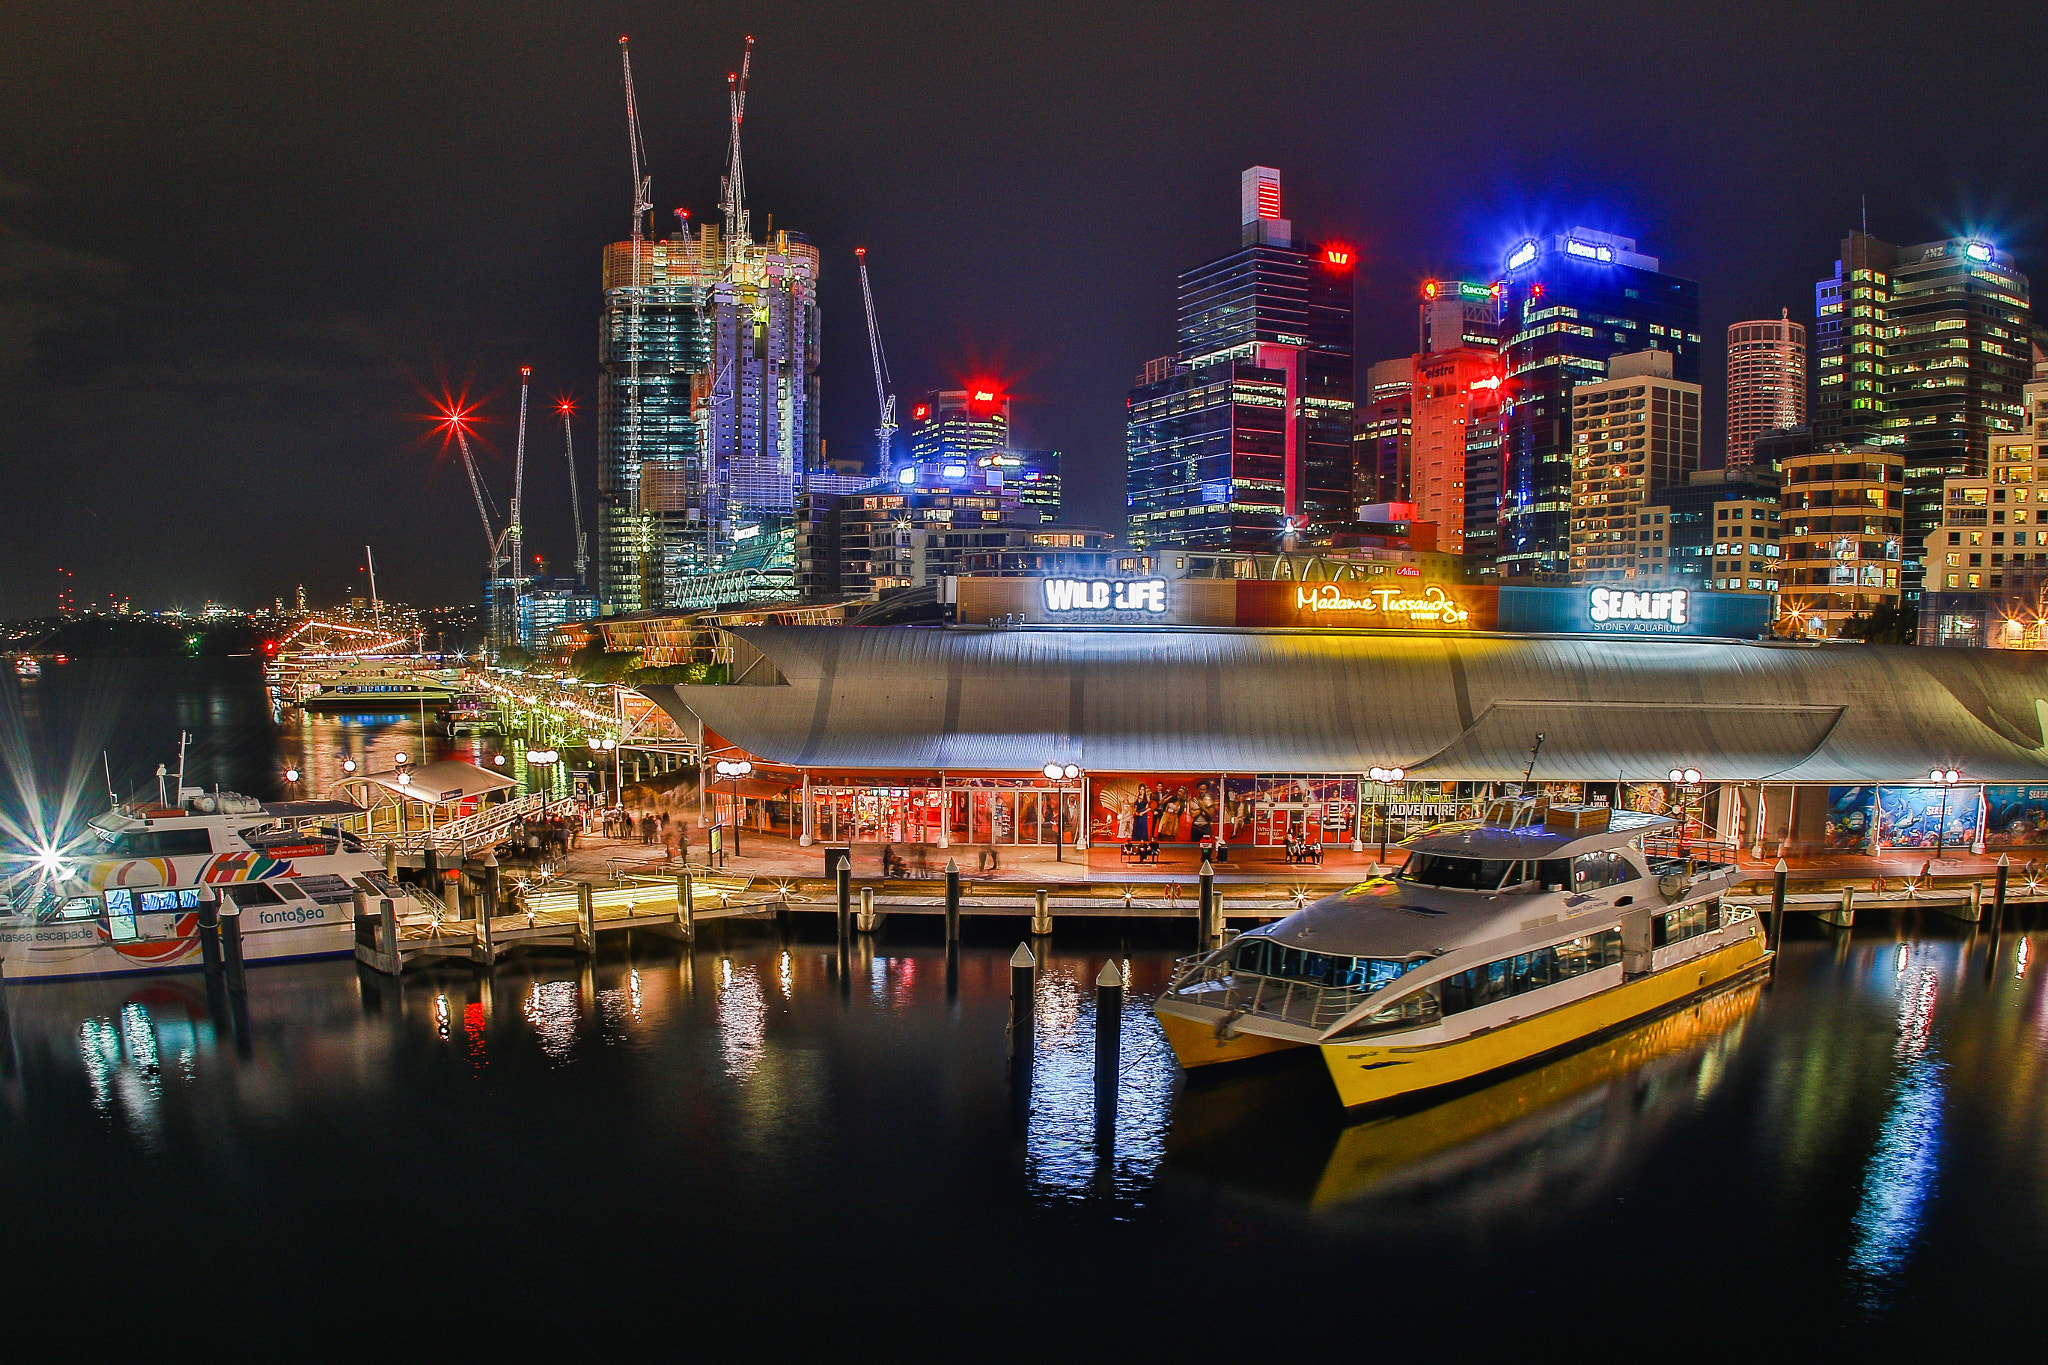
(1429, 289)
(1978, 251)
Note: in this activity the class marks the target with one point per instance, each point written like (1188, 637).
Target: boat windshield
(1456, 874)
(1264, 957)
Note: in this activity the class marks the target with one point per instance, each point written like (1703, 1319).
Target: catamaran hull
(1376, 1073)
(67, 949)
(1196, 1040)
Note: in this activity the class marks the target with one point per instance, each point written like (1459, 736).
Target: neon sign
(1433, 607)
(1611, 604)
(1522, 255)
(1106, 594)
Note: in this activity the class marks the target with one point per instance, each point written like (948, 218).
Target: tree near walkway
(594, 664)
(1890, 624)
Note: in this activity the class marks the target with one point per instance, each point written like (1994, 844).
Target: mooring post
(586, 915)
(1206, 907)
(1109, 1030)
(866, 923)
(1041, 913)
(686, 904)
(489, 908)
(209, 932)
(231, 948)
(387, 934)
(952, 900)
(1023, 980)
(1778, 906)
(1998, 906)
(845, 897)
(430, 869)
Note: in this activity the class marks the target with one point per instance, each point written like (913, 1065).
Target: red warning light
(1536, 290)
(526, 371)
(566, 406)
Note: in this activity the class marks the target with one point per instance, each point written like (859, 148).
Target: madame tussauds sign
(1407, 605)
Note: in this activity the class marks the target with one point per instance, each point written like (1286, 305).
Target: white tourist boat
(127, 897)
(378, 685)
(1503, 940)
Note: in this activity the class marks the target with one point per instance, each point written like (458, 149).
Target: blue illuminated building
(1571, 301)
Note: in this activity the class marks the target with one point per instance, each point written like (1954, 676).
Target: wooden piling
(1109, 1030)
(952, 900)
(1205, 927)
(1023, 981)
(845, 887)
(486, 948)
(686, 904)
(231, 948)
(1778, 905)
(586, 917)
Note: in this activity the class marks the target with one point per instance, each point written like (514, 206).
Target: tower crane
(643, 205)
(567, 409)
(734, 196)
(515, 529)
(885, 402)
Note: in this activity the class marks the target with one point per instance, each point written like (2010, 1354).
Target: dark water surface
(750, 1151)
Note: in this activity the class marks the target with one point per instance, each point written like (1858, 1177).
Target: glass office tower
(1572, 300)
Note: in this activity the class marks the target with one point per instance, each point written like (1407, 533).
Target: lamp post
(599, 748)
(1687, 780)
(1061, 774)
(1946, 779)
(735, 769)
(545, 760)
(1385, 777)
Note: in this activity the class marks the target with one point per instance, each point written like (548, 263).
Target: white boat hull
(60, 949)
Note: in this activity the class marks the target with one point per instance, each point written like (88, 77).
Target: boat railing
(1290, 1000)
(472, 831)
(1703, 852)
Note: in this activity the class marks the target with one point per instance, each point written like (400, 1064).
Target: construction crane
(568, 409)
(455, 419)
(515, 528)
(885, 402)
(733, 192)
(643, 205)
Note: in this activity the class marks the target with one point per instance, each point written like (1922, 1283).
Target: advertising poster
(1850, 811)
(2017, 817)
(1926, 817)
(1651, 798)
(1268, 810)
(1161, 808)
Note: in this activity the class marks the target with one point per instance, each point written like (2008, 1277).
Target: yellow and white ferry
(1503, 940)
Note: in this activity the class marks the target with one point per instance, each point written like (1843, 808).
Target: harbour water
(752, 1148)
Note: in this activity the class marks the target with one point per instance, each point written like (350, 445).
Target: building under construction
(708, 403)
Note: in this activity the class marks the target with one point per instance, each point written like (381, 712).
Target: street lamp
(1385, 777)
(1060, 774)
(1688, 780)
(606, 745)
(1944, 778)
(544, 759)
(735, 768)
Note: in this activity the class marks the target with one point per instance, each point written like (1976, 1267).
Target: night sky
(241, 245)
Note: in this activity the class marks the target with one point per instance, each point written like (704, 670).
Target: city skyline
(309, 272)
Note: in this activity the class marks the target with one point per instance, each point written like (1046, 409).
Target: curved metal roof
(1466, 708)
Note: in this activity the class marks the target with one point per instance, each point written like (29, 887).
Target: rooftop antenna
(108, 768)
(1866, 213)
(183, 739)
(376, 609)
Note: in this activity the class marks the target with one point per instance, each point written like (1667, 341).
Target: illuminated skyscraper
(727, 419)
(1766, 383)
(1926, 348)
(957, 424)
(1385, 423)
(1248, 439)
(1571, 301)
(1633, 432)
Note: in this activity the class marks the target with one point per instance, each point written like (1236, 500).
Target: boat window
(1456, 874)
(120, 914)
(1591, 871)
(1476, 986)
(160, 843)
(1264, 957)
(1554, 873)
(1687, 921)
(247, 894)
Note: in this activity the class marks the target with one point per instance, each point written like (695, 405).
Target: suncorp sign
(1610, 604)
(1065, 595)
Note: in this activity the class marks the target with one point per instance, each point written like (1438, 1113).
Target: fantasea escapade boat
(127, 897)
(1502, 940)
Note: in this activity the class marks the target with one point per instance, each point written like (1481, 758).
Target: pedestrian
(995, 863)
(668, 842)
(683, 842)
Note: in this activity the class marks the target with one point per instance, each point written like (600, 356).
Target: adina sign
(1106, 594)
(1612, 604)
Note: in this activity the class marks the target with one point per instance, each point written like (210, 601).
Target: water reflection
(1071, 1150)
(742, 1018)
(1900, 1175)
(1534, 1145)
